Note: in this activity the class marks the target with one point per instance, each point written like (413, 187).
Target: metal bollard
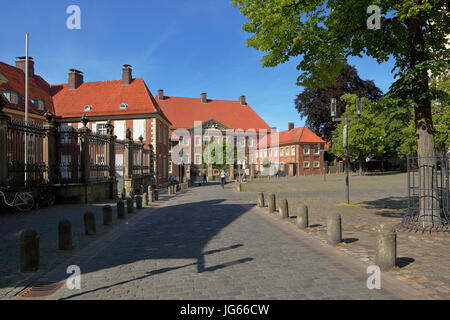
(65, 235)
(271, 203)
(29, 251)
(107, 215)
(386, 247)
(283, 208)
(302, 216)
(334, 228)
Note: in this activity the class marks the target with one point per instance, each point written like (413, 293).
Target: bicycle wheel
(26, 201)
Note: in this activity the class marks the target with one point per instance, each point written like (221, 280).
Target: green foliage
(266, 163)
(228, 152)
(379, 132)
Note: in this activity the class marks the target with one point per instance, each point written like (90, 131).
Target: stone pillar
(139, 202)
(4, 118)
(231, 169)
(130, 205)
(261, 200)
(271, 203)
(386, 247)
(107, 215)
(89, 223)
(29, 251)
(238, 187)
(302, 216)
(291, 169)
(120, 209)
(49, 150)
(170, 189)
(65, 235)
(210, 172)
(188, 172)
(334, 228)
(283, 208)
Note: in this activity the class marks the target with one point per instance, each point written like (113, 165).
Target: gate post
(111, 158)
(4, 118)
(128, 163)
(85, 160)
(50, 152)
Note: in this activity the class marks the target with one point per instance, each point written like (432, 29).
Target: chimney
(160, 94)
(274, 129)
(75, 79)
(242, 100)
(126, 75)
(290, 126)
(21, 63)
(203, 97)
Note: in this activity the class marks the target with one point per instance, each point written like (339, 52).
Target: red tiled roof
(105, 98)
(182, 112)
(296, 135)
(38, 88)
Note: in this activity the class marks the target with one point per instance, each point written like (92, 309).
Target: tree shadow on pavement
(392, 207)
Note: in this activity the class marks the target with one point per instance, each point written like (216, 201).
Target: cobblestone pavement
(423, 259)
(204, 243)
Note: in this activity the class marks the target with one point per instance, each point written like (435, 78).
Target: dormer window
(41, 105)
(12, 97)
(87, 108)
(123, 106)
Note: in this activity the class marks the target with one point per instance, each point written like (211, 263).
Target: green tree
(324, 33)
(228, 152)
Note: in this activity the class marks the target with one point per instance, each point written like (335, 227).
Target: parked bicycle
(46, 197)
(22, 200)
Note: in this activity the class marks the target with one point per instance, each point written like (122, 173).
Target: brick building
(127, 103)
(220, 116)
(299, 152)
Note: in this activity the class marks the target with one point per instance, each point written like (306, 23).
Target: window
(119, 129)
(206, 139)
(275, 152)
(316, 149)
(87, 108)
(250, 142)
(243, 142)
(34, 102)
(197, 140)
(139, 129)
(305, 164)
(14, 98)
(198, 159)
(101, 128)
(293, 150)
(123, 106)
(287, 151)
(186, 141)
(41, 105)
(281, 152)
(316, 164)
(306, 149)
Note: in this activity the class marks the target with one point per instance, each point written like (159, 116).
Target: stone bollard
(107, 215)
(29, 251)
(271, 203)
(89, 223)
(156, 196)
(151, 196)
(302, 216)
(120, 209)
(169, 190)
(238, 187)
(139, 202)
(65, 235)
(130, 205)
(283, 208)
(334, 228)
(146, 199)
(261, 200)
(386, 247)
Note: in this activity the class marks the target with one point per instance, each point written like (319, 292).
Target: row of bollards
(386, 237)
(29, 239)
(175, 188)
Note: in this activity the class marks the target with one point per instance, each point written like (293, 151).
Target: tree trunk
(429, 202)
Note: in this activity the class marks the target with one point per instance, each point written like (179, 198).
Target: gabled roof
(296, 135)
(38, 88)
(182, 112)
(105, 98)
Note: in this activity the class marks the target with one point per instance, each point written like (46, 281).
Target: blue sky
(184, 47)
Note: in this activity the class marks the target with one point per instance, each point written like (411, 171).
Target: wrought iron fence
(137, 159)
(68, 148)
(146, 161)
(428, 194)
(98, 154)
(30, 138)
(119, 148)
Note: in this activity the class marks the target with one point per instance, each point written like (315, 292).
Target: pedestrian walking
(222, 178)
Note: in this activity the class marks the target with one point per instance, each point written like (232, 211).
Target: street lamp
(359, 105)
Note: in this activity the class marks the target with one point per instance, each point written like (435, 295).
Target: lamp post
(345, 138)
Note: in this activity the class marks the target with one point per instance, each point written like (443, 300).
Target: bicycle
(22, 200)
(46, 197)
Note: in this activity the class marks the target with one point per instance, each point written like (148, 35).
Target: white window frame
(318, 149)
(282, 151)
(306, 164)
(140, 124)
(119, 129)
(198, 140)
(293, 150)
(318, 164)
(199, 160)
(306, 149)
(103, 131)
(287, 151)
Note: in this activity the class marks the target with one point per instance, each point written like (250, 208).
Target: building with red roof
(224, 116)
(127, 103)
(297, 151)
(12, 88)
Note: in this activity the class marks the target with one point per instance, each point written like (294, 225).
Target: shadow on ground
(392, 207)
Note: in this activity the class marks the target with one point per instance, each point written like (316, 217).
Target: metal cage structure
(428, 195)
